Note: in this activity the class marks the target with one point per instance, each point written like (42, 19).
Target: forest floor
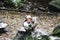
(15, 21)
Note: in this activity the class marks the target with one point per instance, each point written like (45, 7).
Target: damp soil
(15, 20)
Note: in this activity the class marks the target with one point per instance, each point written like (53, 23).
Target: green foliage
(56, 31)
(45, 38)
(14, 3)
(9, 2)
(23, 38)
(55, 3)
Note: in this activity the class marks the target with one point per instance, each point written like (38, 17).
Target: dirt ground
(15, 20)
